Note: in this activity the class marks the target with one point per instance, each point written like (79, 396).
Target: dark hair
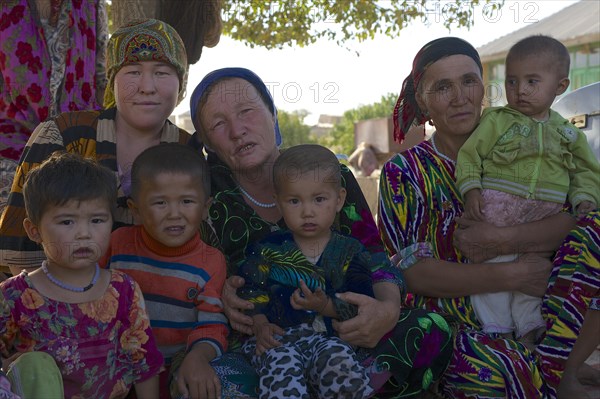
(555, 52)
(65, 177)
(301, 159)
(169, 158)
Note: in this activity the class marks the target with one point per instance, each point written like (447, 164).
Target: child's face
(309, 205)
(74, 235)
(532, 84)
(171, 207)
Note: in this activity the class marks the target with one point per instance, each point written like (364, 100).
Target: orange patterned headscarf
(144, 40)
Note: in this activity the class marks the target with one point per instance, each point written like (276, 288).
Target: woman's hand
(233, 305)
(478, 241)
(532, 273)
(6, 361)
(374, 319)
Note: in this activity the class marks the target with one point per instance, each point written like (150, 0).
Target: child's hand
(6, 357)
(196, 378)
(584, 208)
(473, 204)
(6, 361)
(264, 333)
(304, 299)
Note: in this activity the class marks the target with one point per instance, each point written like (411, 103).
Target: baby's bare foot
(570, 388)
(588, 375)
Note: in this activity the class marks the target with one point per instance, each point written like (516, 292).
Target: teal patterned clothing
(419, 201)
(416, 352)
(236, 226)
(274, 267)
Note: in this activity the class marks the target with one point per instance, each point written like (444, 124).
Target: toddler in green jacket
(523, 163)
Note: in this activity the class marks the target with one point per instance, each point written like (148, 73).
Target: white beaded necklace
(447, 158)
(69, 286)
(255, 202)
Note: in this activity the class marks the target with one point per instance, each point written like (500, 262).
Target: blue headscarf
(242, 73)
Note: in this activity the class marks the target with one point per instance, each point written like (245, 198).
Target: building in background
(577, 27)
(324, 125)
(184, 121)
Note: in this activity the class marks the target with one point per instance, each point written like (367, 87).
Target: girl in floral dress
(87, 323)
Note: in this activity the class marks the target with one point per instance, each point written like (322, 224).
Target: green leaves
(293, 129)
(279, 23)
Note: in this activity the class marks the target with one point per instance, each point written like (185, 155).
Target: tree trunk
(198, 22)
(124, 11)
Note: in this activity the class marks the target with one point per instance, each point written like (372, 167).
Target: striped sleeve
(16, 250)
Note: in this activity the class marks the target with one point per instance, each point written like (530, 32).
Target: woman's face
(146, 94)
(238, 126)
(451, 91)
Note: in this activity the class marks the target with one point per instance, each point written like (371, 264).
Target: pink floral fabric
(504, 209)
(32, 56)
(101, 347)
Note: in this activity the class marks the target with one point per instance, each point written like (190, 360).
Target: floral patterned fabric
(48, 67)
(418, 203)
(102, 347)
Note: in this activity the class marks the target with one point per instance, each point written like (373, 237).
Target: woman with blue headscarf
(236, 122)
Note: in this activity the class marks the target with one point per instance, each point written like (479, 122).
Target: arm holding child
(374, 295)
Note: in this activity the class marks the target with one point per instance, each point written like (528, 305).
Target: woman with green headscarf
(146, 70)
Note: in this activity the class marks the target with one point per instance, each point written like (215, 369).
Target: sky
(324, 78)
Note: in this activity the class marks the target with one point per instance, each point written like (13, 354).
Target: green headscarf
(144, 40)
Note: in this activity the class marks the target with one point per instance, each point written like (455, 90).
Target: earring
(427, 117)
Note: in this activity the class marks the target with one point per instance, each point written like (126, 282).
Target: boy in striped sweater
(180, 276)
